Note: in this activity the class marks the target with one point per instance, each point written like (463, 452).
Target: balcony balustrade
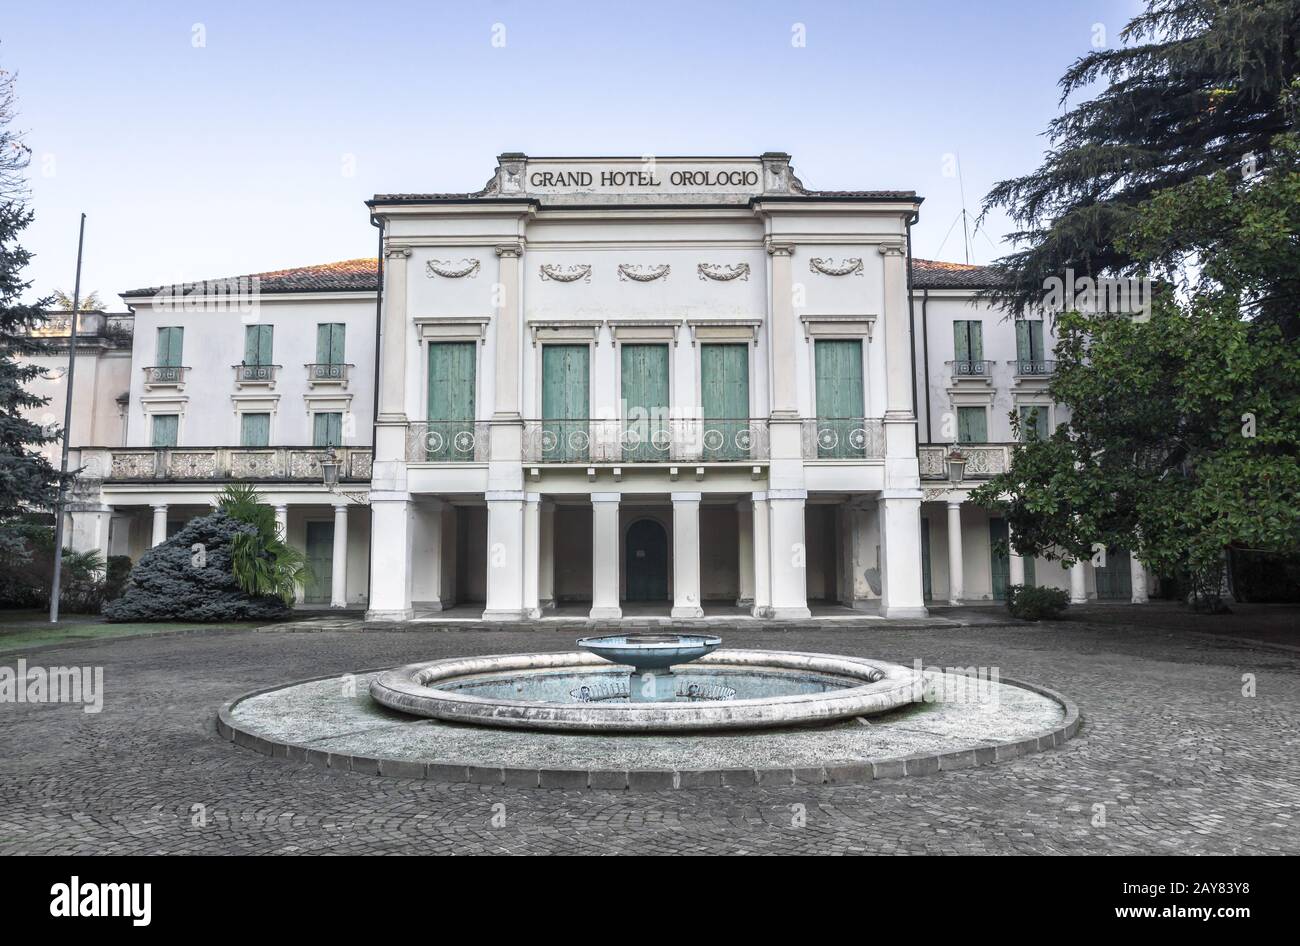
(448, 441)
(166, 464)
(327, 373)
(255, 374)
(982, 460)
(1033, 367)
(843, 438)
(647, 440)
(982, 370)
(164, 376)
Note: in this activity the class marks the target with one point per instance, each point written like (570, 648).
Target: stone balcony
(983, 460)
(218, 464)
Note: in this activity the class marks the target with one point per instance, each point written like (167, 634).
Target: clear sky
(218, 138)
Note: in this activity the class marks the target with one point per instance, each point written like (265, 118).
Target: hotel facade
(604, 387)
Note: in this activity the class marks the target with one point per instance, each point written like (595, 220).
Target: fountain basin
(532, 691)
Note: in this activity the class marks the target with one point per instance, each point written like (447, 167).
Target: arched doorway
(646, 555)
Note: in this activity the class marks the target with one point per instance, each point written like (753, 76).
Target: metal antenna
(67, 424)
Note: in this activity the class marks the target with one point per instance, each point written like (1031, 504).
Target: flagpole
(67, 424)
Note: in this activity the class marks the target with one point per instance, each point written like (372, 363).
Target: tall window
(327, 429)
(257, 344)
(170, 342)
(644, 372)
(451, 401)
(254, 430)
(724, 390)
(1033, 422)
(972, 425)
(968, 347)
(1029, 346)
(566, 383)
(165, 429)
(837, 366)
(329, 343)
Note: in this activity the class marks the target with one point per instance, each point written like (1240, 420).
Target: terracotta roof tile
(352, 275)
(935, 274)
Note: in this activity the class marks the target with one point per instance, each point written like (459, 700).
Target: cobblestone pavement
(1181, 761)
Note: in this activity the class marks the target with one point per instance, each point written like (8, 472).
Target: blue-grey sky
(218, 138)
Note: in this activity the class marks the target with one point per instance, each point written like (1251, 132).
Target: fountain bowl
(651, 651)
(532, 691)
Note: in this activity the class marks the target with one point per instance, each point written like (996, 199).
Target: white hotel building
(598, 386)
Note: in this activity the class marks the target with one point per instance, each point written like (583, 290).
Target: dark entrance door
(647, 561)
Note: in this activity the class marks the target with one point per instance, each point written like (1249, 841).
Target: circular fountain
(648, 683)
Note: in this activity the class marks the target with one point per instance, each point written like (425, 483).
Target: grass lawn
(20, 630)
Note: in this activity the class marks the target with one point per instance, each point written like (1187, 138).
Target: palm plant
(263, 561)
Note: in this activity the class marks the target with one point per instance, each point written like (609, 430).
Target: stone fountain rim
(884, 686)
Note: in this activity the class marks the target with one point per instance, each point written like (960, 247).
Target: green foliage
(27, 480)
(264, 563)
(1033, 603)
(1194, 88)
(190, 577)
(1184, 431)
(116, 574)
(27, 569)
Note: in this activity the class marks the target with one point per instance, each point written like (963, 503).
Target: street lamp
(956, 465)
(329, 468)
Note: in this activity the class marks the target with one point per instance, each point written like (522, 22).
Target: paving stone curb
(653, 780)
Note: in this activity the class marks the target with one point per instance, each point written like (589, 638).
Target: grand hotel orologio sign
(651, 179)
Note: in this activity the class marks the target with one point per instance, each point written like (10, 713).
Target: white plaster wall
(999, 331)
(214, 342)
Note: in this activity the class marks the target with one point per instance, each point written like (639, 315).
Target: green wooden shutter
(170, 342)
(327, 429)
(961, 341)
(645, 402)
(330, 343)
(972, 425)
(1024, 351)
(254, 430)
(565, 403)
(1033, 417)
(999, 560)
(451, 401)
(257, 345)
(840, 403)
(977, 341)
(724, 389)
(1036, 340)
(320, 561)
(165, 429)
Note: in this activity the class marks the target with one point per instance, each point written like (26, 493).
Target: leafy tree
(190, 577)
(91, 302)
(264, 562)
(1183, 442)
(26, 578)
(27, 480)
(1197, 87)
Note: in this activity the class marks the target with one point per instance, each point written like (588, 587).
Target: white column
(686, 556)
(1138, 578)
(956, 577)
(1017, 562)
(745, 553)
(762, 546)
(1078, 584)
(789, 554)
(546, 555)
(781, 330)
(282, 521)
(902, 594)
(339, 576)
(604, 556)
(390, 557)
(532, 554)
(390, 424)
(159, 525)
(505, 556)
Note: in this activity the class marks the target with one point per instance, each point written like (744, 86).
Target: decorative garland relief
(723, 273)
(566, 273)
(642, 273)
(830, 268)
(437, 267)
